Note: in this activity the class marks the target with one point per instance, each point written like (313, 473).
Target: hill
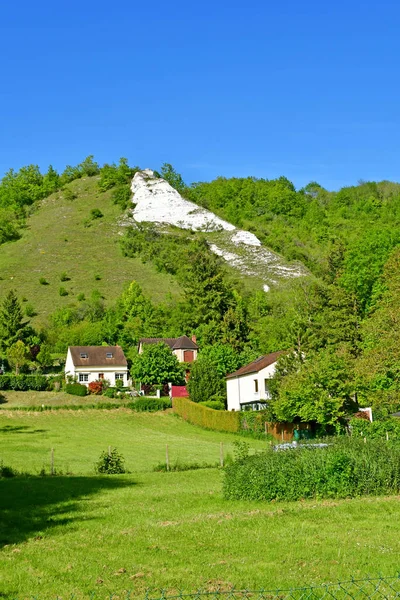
(62, 237)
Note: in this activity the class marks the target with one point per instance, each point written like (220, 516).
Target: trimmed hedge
(346, 468)
(219, 420)
(150, 404)
(23, 383)
(377, 429)
(76, 389)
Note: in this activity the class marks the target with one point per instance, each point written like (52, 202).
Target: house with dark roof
(248, 387)
(90, 363)
(185, 349)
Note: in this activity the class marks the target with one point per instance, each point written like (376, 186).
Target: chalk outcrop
(156, 201)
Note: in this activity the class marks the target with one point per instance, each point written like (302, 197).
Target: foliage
(115, 175)
(76, 389)
(343, 469)
(43, 281)
(206, 417)
(110, 463)
(150, 404)
(157, 365)
(17, 355)
(24, 382)
(62, 291)
(96, 213)
(44, 357)
(214, 404)
(12, 325)
(205, 381)
(168, 173)
(121, 195)
(96, 387)
(382, 429)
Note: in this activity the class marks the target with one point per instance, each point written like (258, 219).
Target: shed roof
(97, 356)
(257, 365)
(180, 343)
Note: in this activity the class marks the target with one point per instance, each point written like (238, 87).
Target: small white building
(184, 349)
(91, 363)
(248, 387)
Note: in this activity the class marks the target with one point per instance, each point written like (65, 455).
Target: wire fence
(381, 588)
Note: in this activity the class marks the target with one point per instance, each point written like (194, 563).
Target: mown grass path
(82, 533)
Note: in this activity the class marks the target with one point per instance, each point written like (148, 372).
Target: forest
(339, 325)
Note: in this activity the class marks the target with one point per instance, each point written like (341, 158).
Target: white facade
(87, 374)
(249, 389)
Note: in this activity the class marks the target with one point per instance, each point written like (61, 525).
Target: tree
(205, 383)
(17, 355)
(44, 356)
(157, 365)
(174, 179)
(222, 356)
(12, 326)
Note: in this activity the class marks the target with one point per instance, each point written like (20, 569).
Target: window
(266, 386)
(101, 375)
(109, 355)
(256, 386)
(84, 355)
(119, 376)
(83, 377)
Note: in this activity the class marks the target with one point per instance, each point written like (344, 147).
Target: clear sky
(307, 89)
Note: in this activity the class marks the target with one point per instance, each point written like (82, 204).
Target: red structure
(179, 391)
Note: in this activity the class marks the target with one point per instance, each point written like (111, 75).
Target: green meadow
(78, 533)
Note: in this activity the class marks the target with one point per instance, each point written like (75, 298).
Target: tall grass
(345, 468)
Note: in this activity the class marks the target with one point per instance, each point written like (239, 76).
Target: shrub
(29, 310)
(345, 468)
(81, 297)
(110, 463)
(96, 213)
(64, 276)
(24, 382)
(76, 389)
(206, 417)
(214, 404)
(7, 472)
(62, 291)
(43, 281)
(119, 384)
(96, 387)
(376, 430)
(69, 194)
(150, 404)
(97, 277)
(182, 466)
(110, 393)
(122, 195)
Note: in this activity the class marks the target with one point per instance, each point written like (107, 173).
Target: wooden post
(167, 457)
(221, 454)
(109, 451)
(365, 440)
(387, 436)
(282, 435)
(265, 427)
(52, 461)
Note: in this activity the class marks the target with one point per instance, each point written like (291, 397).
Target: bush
(80, 297)
(43, 281)
(346, 468)
(69, 194)
(62, 291)
(97, 277)
(122, 196)
(377, 429)
(150, 404)
(64, 277)
(110, 393)
(29, 310)
(206, 417)
(7, 472)
(76, 389)
(96, 387)
(110, 463)
(96, 213)
(214, 404)
(24, 382)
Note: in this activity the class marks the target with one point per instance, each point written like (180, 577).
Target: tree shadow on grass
(31, 505)
(20, 429)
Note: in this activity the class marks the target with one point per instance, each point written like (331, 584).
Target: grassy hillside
(56, 240)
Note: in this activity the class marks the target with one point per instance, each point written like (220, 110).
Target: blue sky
(309, 90)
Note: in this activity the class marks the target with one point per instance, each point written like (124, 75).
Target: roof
(179, 343)
(97, 356)
(257, 365)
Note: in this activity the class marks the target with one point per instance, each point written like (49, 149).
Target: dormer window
(84, 355)
(109, 355)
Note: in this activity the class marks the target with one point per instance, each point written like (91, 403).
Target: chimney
(194, 339)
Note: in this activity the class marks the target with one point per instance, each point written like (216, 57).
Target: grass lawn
(31, 398)
(82, 533)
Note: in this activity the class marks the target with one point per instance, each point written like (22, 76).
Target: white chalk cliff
(156, 201)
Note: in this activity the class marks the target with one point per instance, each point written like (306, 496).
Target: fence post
(52, 461)
(221, 454)
(387, 436)
(109, 451)
(167, 457)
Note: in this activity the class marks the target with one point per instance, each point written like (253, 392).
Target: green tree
(157, 365)
(17, 355)
(205, 382)
(44, 356)
(12, 326)
(224, 358)
(174, 179)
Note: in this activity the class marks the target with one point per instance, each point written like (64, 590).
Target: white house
(248, 388)
(90, 363)
(184, 349)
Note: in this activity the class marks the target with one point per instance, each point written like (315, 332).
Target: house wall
(180, 354)
(93, 373)
(241, 390)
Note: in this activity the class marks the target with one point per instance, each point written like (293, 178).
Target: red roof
(257, 365)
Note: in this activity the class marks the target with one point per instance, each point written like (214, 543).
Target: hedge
(150, 404)
(219, 420)
(377, 429)
(345, 468)
(76, 389)
(23, 383)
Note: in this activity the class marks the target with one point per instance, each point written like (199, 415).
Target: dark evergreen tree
(12, 325)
